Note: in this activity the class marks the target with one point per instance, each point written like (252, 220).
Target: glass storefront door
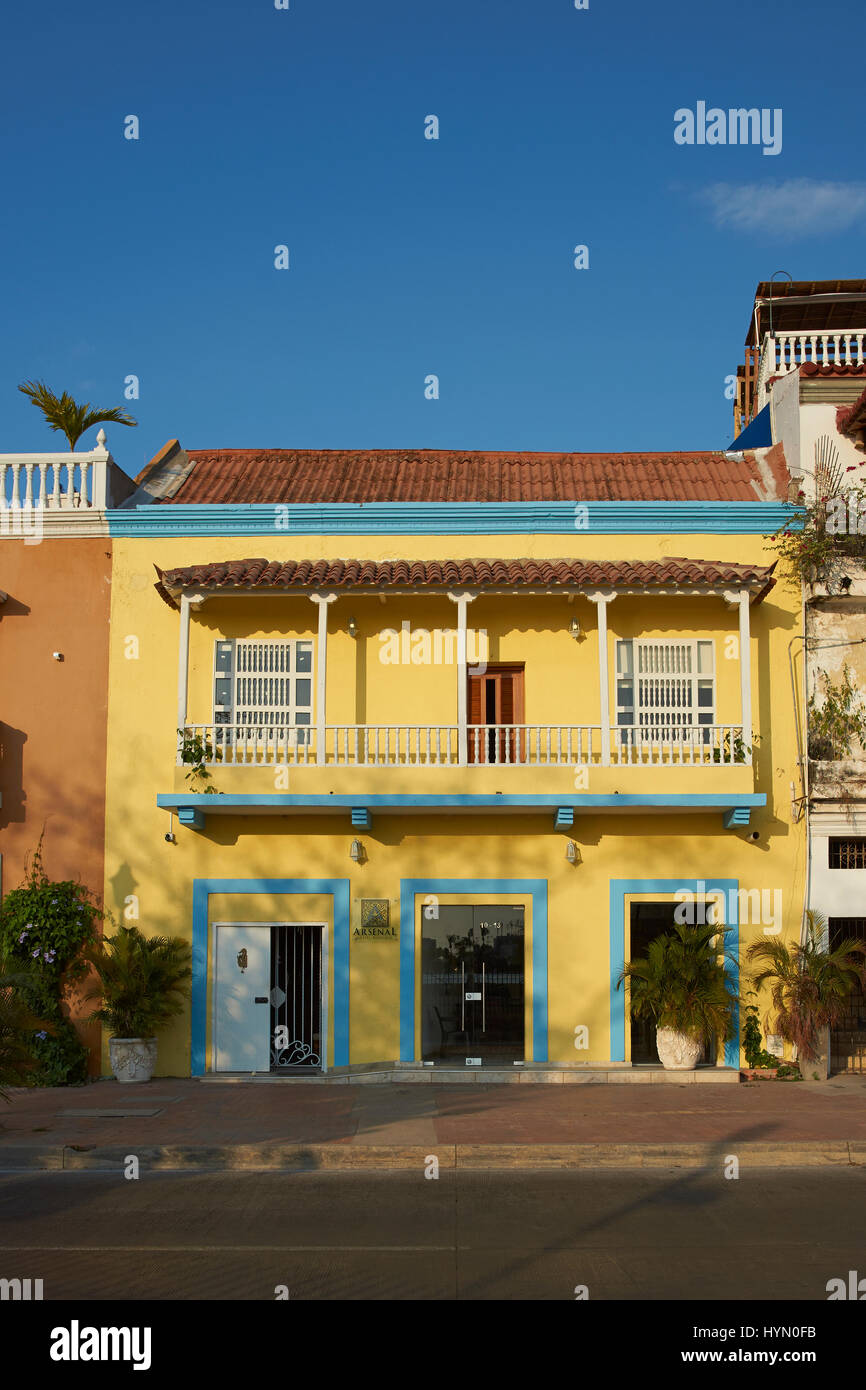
(473, 985)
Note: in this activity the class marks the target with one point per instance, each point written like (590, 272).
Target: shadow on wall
(12, 775)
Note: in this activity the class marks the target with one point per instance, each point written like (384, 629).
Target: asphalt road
(669, 1234)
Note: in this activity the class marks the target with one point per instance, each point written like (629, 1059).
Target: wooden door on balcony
(496, 697)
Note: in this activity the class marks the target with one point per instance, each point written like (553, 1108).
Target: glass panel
(303, 689)
(705, 694)
(304, 656)
(472, 984)
(705, 658)
(624, 658)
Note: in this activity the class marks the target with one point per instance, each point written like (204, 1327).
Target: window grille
(848, 854)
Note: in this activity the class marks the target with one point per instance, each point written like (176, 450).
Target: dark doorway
(848, 1038)
(296, 997)
(495, 714)
(647, 921)
(472, 985)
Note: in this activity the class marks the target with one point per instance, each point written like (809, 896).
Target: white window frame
(655, 663)
(266, 719)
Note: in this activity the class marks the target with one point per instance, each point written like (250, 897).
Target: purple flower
(35, 953)
(42, 1036)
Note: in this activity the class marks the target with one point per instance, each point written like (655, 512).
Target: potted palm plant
(143, 982)
(683, 987)
(809, 983)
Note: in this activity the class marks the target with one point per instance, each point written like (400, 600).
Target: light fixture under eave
(352, 627)
(574, 628)
(356, 853)
(572, 853)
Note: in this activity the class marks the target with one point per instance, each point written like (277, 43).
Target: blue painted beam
(191, 817)
(738, 815)
(399, 801)
(452, 518)
(361, 818)
(564, 816)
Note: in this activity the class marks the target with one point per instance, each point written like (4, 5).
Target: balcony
(782, 353)
(56, 493)
(487, 745)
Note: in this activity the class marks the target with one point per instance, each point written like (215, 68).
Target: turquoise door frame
(535, 888)
(620, 888)
(335, 888)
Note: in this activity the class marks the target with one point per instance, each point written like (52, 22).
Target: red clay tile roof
(831, 369)
(444, 475)
(376, 575)
(853, 419)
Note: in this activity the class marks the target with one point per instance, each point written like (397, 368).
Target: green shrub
(45, 924)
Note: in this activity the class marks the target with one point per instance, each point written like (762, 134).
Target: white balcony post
(321, 672)
(601, 598)
(98, 476)
(462, 599)
(183, 662)
(188, 602)
(745, 673)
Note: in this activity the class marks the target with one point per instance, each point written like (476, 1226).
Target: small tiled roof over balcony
(525, 575)
(298, 476)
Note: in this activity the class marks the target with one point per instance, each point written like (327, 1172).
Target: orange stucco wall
(52, 713)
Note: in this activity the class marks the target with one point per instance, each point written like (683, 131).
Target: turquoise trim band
(452, 519)
(619, 889)
(410, 887)
(337, 888)
(275, 801)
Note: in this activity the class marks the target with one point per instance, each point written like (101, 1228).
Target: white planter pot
(677, 1051)
(132, 1059)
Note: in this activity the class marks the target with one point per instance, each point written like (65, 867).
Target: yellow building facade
(414, 795)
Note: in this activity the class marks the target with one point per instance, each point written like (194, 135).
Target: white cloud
(794, 207)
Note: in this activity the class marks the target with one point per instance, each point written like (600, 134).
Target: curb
(348, 1157)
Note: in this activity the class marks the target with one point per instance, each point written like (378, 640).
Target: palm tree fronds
(67, 416)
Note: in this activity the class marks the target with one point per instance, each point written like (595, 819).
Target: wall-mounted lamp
(352, 627)
(572, 853)
(356, 853)
(574, 628)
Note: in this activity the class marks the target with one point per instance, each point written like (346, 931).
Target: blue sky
(409, 256)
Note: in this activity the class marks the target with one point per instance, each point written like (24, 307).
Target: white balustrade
(679, 745)
(782, 353)
(58, 482)
(437, 745)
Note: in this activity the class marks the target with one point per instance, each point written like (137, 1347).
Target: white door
(242, 1012)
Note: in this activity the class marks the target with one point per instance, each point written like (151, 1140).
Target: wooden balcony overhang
(192, 809)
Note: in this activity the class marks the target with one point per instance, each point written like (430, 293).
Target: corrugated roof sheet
(443, 475)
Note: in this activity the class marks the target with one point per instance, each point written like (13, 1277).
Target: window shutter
(263, 694)
(665, 683)
(506, 700)
(223, 683)
(264, 685)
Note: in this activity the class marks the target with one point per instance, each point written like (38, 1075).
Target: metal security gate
(296, 997)
(848, 1038)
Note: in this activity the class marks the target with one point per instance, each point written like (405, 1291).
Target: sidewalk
(186, 1123)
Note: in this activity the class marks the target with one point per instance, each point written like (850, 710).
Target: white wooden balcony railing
(782, 353)
(682, 745)
(438, 745)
